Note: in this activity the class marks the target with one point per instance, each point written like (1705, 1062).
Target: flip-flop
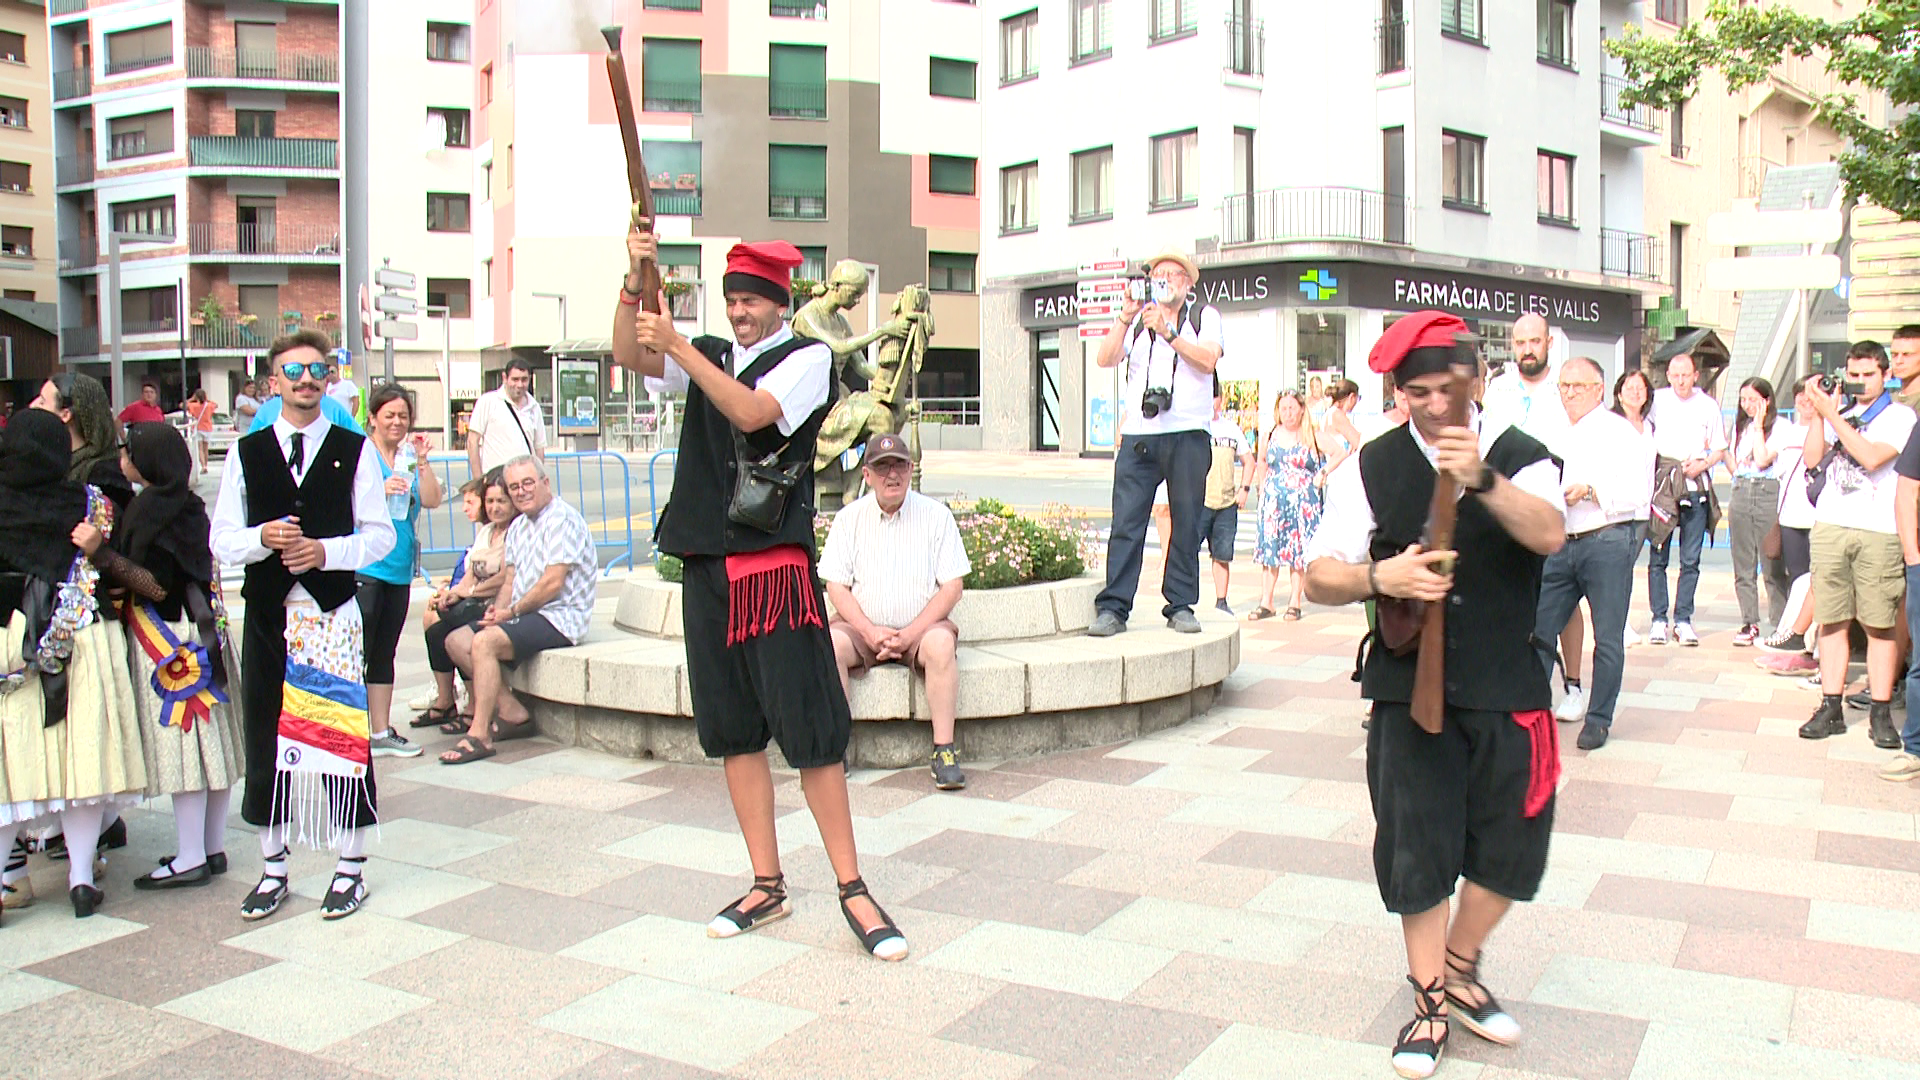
(1260, 613)
(525, 729)
(436, 716)
(468, 749)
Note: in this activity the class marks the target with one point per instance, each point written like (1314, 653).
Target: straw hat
(1175, 255)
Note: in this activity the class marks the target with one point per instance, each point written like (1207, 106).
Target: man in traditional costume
(760, 662)
(302, 506)
(1474, 800)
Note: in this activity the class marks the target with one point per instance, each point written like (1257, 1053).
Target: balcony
(797, 205)
(72, 84)
(66, 7)
(269, 65)
(231, 335)
(681, 202)
(79, 341)
(149, 327)
(1392, 34)
(136, 63)
(82, 253)
(798, 9)
(796, 102)
(71, 169)
(1637, 124)
(247, 152)
(670, 95)
(1247, 47)
(1315, 213)
(1631, 254)
(276, 242)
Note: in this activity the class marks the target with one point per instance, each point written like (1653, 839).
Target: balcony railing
(800, 102)
(1631, 254)
(670, 95)
(72, 84)
(207, 62)
(79, 254)
(136, 63)
(1639, 117)
(136, 327)
(798, 9)
(673, 5)
(244, 151)
(229, 334)
(233, 238)
(79, 341)
(797, 205)
(1314, 213)
(1393, 44)
(1247, 46)
(685, 203)
(66, 7)
(73, 169)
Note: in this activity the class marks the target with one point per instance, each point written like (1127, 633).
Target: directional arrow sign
(1090, 331)
(395, 304)
(1102, 267)
(393, 279)
(1755, 228)
(397, 330)
(1103, 311)
(1778, 272)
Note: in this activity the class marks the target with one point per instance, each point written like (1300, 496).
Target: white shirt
(894, 563)
(235, 543)
(1686, 429)
(500, 423)
(347, 394)
(1151, 362)
(1790, 469)
(1855, 498)
(799, 383)
(1534, 408)
(244, 406)
(556, 536)
(1746, 448)
(1347, 523)
(1602, 451)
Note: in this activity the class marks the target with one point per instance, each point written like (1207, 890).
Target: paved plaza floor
(1724, 900)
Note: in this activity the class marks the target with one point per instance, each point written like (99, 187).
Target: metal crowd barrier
(598, 483)
(653, 492)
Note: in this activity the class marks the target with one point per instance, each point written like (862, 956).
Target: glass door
(1046, 384)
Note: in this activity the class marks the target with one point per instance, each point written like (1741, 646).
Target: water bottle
(403, 460)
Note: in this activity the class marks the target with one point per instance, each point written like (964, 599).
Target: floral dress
(1289, 505)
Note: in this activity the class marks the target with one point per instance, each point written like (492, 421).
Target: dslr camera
(1139, 290)
(1156, 400)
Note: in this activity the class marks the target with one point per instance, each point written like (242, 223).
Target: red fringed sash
(1543, 773)
(768, 588)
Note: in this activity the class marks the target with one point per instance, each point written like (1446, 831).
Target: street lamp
(117, 362)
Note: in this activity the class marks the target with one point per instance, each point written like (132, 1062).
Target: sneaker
(1592, 737)
(1798, 663)
(1828, 719)
(1902, 768)
(1784, 640)
(1683, 634)
(1183, 622)
(1657, 633)
(1880, 728)
(392, 744)
(423, 702)
(946, 770)
(1106, 624)
(1630, 638)
(1572, 707)
(1221, 605)
(1746, 635)
(1864, 700)
(1814, 682)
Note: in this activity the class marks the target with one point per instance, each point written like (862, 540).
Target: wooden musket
(638, 183)
(1430, 675)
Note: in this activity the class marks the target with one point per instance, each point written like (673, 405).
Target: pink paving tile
(1039, 859)
(1305, 744)
(224, 1055)
(501, 914)
(1701, 905)
(1581, 795)
(1295, 854)
(1868, 851)
(1128, 1042)
(1783, 841)
(701, 807)
(150, 967)
(673, 891)
(1091, 765)
(1849, 969)
(1553, 1042)
(1853, 783)
(1268, 995)
(623, 1065)
(983, 894)
(446, 806)
(996, 785)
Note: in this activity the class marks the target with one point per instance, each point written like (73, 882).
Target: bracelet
(635, 302)
(1373, 579)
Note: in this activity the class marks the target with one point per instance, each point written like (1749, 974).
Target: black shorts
(782, 686)
(1452, 805)
(383, 618)
(1219, 528)
(532, 635)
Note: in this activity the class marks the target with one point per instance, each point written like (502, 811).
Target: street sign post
(1807, 228)
(388, 278)
(395, 330)
(391, 301)
(395, 304)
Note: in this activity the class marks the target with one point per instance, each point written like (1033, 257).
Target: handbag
(466, 610)
(761, 487)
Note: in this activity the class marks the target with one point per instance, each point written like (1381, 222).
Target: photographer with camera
(1858, 570)
(1171, 344)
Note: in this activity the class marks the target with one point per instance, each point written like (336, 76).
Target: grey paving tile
(1129, 1041)
(83, 1034)
(538, 922)
(1039, 859)
(984, 894)
(682, 1023)
(261, 1005)
(442, 1040)
(149, 967)
(226, 1056)
(490, 978)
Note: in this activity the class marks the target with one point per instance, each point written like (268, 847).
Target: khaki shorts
(869, 659)
(1857, 575)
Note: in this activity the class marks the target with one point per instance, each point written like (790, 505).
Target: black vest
(694, 521)
(323, 502)
(1491, 664)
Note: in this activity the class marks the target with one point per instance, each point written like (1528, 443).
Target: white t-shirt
(1746, 447)
(799, 383)
(501, 438)
(347, 394)
(1790, 469)
(1686, 429)
(1152, 362)
(1855, 498)
(1536, 409)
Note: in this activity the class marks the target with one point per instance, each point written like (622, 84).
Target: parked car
(218, 440)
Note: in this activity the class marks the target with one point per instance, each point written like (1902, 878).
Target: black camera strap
(1184, 319)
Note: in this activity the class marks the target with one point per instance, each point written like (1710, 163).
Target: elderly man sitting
(544, 602)
(894, 567)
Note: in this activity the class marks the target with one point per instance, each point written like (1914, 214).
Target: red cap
(1420, 330)
(772, 262)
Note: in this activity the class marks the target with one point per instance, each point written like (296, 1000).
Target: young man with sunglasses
(302, 506)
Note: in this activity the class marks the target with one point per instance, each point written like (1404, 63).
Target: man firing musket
(1467, 791)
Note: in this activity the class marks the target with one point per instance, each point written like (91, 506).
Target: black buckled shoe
(1474, 1005)
(883, 942)
(737, 919)
(1417, 1059)
(1828, 719)
(166, 877)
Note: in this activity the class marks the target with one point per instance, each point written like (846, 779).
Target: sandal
(435, 716)
(1261, 612)
(1483, 1017)
(1292, 614)
(885, 941)
(737, 920)
(347, 892)
(1417, 1059)
(468, 749)
(458, 725)
(504, 732)
(266, 899)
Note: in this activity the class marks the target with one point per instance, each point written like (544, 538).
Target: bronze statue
(889, 403)
(820, 319)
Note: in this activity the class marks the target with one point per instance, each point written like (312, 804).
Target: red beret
(1420, 330)
(772, 262)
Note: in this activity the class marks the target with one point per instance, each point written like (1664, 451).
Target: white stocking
(82, 826)
(214, 839)
(354, 848)
(190, 832)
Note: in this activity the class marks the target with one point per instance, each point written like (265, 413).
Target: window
(1092, 185)
(454, 294)
(254, 219)
(1461, 18)
(253, 123)
(446, 213)
(669, 75)
(486, 85)
(153, 217)
(797, 182)
(131, 50)
(1020, 47)
(456, 125)
(13, 46)
(951, 175)
(798, 9)
(140, 134)
(1677, 130)
(1175, 183)
(256, 51)
(150, 311)
(1392, 34)
(1675, 12)
(1461, 159)
(1092, 30)
(13, 112)
(675, 175)
(447, 42)
(1393, 183)
(16, 176)
(263, 303)
(16, 240)
(950, 271)
(1556, 187)
(1556, 32)
(680, 268)
(813, 263)
(1174, 19)
(486, 180)
(797, 81)
(1676, 261)
(673, 5)
(1019, 187)
(486, 267)
(17, 294)
(952, 78)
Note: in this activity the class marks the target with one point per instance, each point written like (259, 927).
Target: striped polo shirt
(894, 563)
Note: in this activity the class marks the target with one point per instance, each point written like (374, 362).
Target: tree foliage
(1875, 52)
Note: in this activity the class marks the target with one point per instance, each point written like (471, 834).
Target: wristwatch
(1484, 483)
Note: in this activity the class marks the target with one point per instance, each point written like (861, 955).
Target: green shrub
(670, 568)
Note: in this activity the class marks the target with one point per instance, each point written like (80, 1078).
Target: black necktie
(299, 455)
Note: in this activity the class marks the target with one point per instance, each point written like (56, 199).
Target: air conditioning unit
(1206, 245)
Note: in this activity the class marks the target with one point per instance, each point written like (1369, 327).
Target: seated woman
(465, 602)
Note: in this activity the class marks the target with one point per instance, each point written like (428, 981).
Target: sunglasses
(318, 369)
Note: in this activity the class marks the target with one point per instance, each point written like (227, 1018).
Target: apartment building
(1332, 166)
(26, 155)
(204, 135)
(817, 122)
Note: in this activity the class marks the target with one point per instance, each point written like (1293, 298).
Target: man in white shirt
(1226, 493)
(1171, 344)
(1604, 483)
(894, 567)
(1526, 397)
(345, 391)
(1858, 570)
(245, 405)
(506, 422)
(1690, 436)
